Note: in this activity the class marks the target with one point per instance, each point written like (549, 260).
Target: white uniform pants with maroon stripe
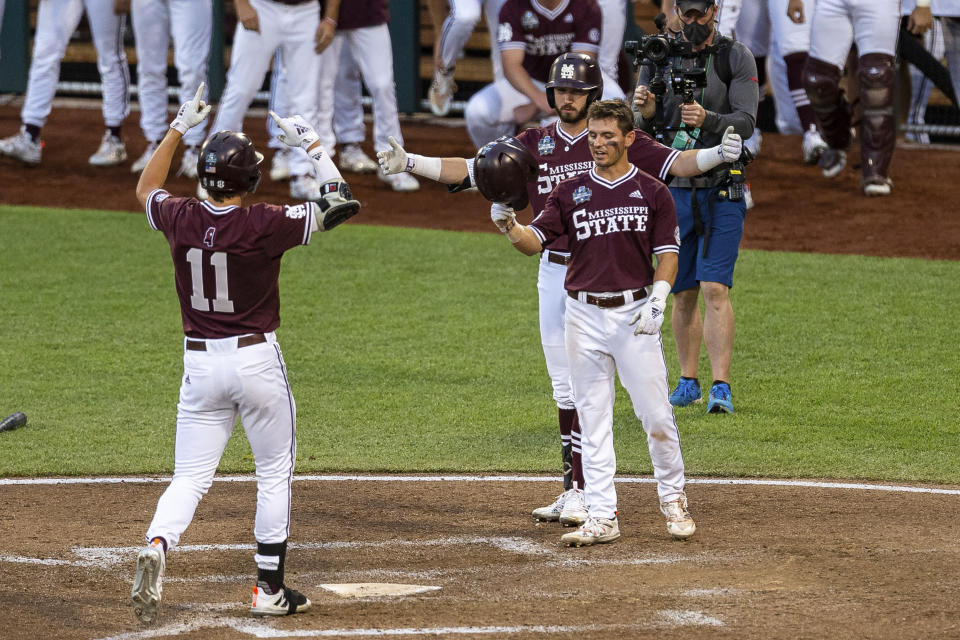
(872, 24)
(600, 345)
(552, 299)
(218, 385)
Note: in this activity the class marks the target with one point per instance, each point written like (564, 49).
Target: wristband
(709, 158)
(923, 3)
(424, 166)
(331, 21)
(660, 290)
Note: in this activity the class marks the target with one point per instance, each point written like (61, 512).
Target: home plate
(376, 589)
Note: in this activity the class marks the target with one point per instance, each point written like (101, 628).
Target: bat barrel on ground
(12, 421)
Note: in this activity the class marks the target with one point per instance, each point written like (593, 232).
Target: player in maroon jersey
(561, 152)
(615, 218)
(226, 260)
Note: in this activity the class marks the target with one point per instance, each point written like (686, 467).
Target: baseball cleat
(111, 152)
(720, 399)
(141, 163)
(148, 583)
(593, 531)
(284, 602)
(402, 181)
(551, 513)
(680, 524)
(878, 186)
(22, 147)
(280, 165)
(188, 163)
(354, 160)
(813, 145)
(441, 92)
(832, 161)
(686, 392)
(574, 512)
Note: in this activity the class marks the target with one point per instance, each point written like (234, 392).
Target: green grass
(414, 350)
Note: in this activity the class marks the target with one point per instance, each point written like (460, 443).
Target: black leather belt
(609, 301)
(194, 344)
(558, 258)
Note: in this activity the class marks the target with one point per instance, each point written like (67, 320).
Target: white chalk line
(812, 484)
(665, 619)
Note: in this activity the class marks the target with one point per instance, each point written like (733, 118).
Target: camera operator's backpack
(721, 59)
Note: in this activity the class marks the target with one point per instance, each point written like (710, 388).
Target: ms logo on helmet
(566, 72)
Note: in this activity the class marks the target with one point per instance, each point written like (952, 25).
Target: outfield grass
(414, 350)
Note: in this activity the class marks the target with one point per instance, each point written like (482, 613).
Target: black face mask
(697, 33)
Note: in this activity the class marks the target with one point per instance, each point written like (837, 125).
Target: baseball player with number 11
(226, 259)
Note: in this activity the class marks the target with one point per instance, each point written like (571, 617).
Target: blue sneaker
(686, 392)
(721, 398)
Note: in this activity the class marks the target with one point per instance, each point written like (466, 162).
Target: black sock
(114, 131)
(33, 131)
(271, 580)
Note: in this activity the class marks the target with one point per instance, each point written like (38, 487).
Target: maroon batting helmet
(502, 169)
(228, 163)
(575, 71)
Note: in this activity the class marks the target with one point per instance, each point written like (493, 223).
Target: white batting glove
(501, 215)
(731, 146)
(394, 159)
(295, 131)
(649, 316)
(192, 112)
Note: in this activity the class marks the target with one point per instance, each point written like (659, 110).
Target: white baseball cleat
(304, 188)
(22, 147)
(813, 145)
(354, 160)
(148, 583)
(402, 181)
(832, 161)
(593, 531)
(680, 524)
(284, 602)
(551, 513)
(878, 187)
(111, 152)
(441, 92)
(574, 512)
(280, 165)
(141, 163)
(188, 163)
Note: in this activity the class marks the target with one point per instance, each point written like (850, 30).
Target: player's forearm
(517, 76)
(667, 266)
(331, 10)
(154, 175)
(523, 239)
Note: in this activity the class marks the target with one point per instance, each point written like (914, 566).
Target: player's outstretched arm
(154, 175)
(445, 170)
(693, 162)
(523, 239)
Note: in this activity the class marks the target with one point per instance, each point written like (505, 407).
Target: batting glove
(394, 159)
(192, 112)
(502, 215)
(649, 316)
(731, 146)
(295, 131)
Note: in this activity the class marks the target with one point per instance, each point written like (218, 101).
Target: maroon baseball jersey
(544, 34)
(227, 260)
(613, 228)
(561, 156)
(355, 14)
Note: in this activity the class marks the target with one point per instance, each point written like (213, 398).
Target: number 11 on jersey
(218, 260)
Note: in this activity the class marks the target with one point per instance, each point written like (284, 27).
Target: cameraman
(710, 213)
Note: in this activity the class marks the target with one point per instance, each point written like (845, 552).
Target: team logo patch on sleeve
(594, 35)
(546, 146)
(504, 32)
(160, 197)
(581, 195)
(296, 212)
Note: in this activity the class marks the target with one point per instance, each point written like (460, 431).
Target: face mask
(697, 33)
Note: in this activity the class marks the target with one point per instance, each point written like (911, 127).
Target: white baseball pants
(873, 24)
(600, 345)
(154, 22)
(290, 28)
(366, 47)
(614, 24)
(552, 299)
(459, 25)
(56, 22)
(218, 385)
(489, 112)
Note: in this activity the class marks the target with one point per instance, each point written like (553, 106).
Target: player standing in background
(530, 35)
(295, 28)
(226, 259)
(363, 44)
(456, 28)
(615, 218)
(939, 25)
(188, 22)
(873, 25)
(56, 22)
(561, 151)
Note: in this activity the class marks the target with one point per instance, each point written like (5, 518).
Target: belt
(609, 301)
(558, 258)
(194, 344)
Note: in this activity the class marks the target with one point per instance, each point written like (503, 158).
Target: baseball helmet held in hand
(501, 171)
(575, 71)
(228, 163)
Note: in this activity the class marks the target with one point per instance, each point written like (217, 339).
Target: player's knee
(876, 73)
(466, 16)
(821, 80)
